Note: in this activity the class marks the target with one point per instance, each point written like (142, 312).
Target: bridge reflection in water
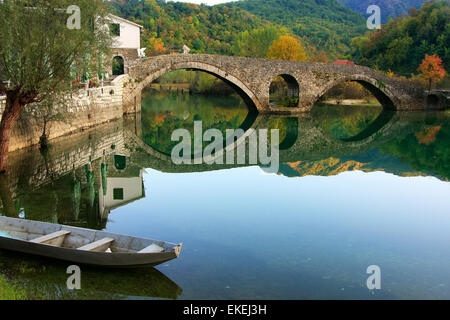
(84, 178)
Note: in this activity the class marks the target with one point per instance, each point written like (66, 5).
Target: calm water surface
(356, 187)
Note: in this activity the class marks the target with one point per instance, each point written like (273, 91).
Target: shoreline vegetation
(197, 82)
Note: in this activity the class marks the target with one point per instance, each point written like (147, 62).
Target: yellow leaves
(390, 74)
(156, 46)
(287, 48)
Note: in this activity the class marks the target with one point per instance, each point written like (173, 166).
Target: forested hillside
(204, 29)
(321, 24)
(326, 29)
(326, 24)
(401, 44)
(389, 8)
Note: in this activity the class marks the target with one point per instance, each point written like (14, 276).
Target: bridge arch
(387, 99)
(242, 89)
(292, 89)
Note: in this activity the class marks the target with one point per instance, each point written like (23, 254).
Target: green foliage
(202, 28)
(324, 24)
(428, 149)
(401, 45)
(117, 66)
(343, 122)
(256, 43)
(163, 113)
(39, 53)
(10, 291)
(197, 81)
(245, 28)
(389, 8)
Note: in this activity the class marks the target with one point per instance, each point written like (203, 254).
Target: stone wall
(89, 108)
(31, 168)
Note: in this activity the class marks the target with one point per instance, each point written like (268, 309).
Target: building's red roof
(344, 62)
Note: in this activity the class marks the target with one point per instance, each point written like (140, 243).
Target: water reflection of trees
(164, 113)
(353, 133)
(84, 196)
(343, 122)
(427, 149)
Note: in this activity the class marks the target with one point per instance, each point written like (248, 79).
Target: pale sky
(208, 2)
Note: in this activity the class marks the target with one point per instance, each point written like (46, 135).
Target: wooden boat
(83, 246)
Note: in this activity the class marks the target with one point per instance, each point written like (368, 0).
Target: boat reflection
(40, 278)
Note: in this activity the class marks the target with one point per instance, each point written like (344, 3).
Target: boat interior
(78, 238)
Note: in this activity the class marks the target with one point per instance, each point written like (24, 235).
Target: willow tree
(43, 44)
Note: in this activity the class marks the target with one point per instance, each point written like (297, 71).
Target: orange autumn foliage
(156, 46)
(431, 69)
(428, 136)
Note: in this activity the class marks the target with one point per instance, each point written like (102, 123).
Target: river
(355, 187)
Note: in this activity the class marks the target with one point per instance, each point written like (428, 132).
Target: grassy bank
(9, 291)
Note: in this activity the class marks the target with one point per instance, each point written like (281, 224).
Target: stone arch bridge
(252, 78)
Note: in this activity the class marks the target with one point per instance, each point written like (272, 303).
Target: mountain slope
(402, 43)
(202, 28)
(389, 8)
(326, 24)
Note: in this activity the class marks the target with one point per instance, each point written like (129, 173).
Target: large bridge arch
(387, 99)
(242, 89)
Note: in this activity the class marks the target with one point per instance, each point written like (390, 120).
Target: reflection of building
(119, 185)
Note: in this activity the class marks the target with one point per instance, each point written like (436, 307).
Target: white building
(127, 34)
(126, 43)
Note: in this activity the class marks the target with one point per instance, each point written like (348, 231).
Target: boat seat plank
(151, 248)
(97, 246)
(54, 238)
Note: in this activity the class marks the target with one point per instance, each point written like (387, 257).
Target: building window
(118, 194)
(115, 29)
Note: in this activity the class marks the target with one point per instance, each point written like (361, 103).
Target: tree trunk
(9, 118)
(9, 208)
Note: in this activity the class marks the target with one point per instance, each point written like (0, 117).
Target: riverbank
(352, 102)
(89, 108)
